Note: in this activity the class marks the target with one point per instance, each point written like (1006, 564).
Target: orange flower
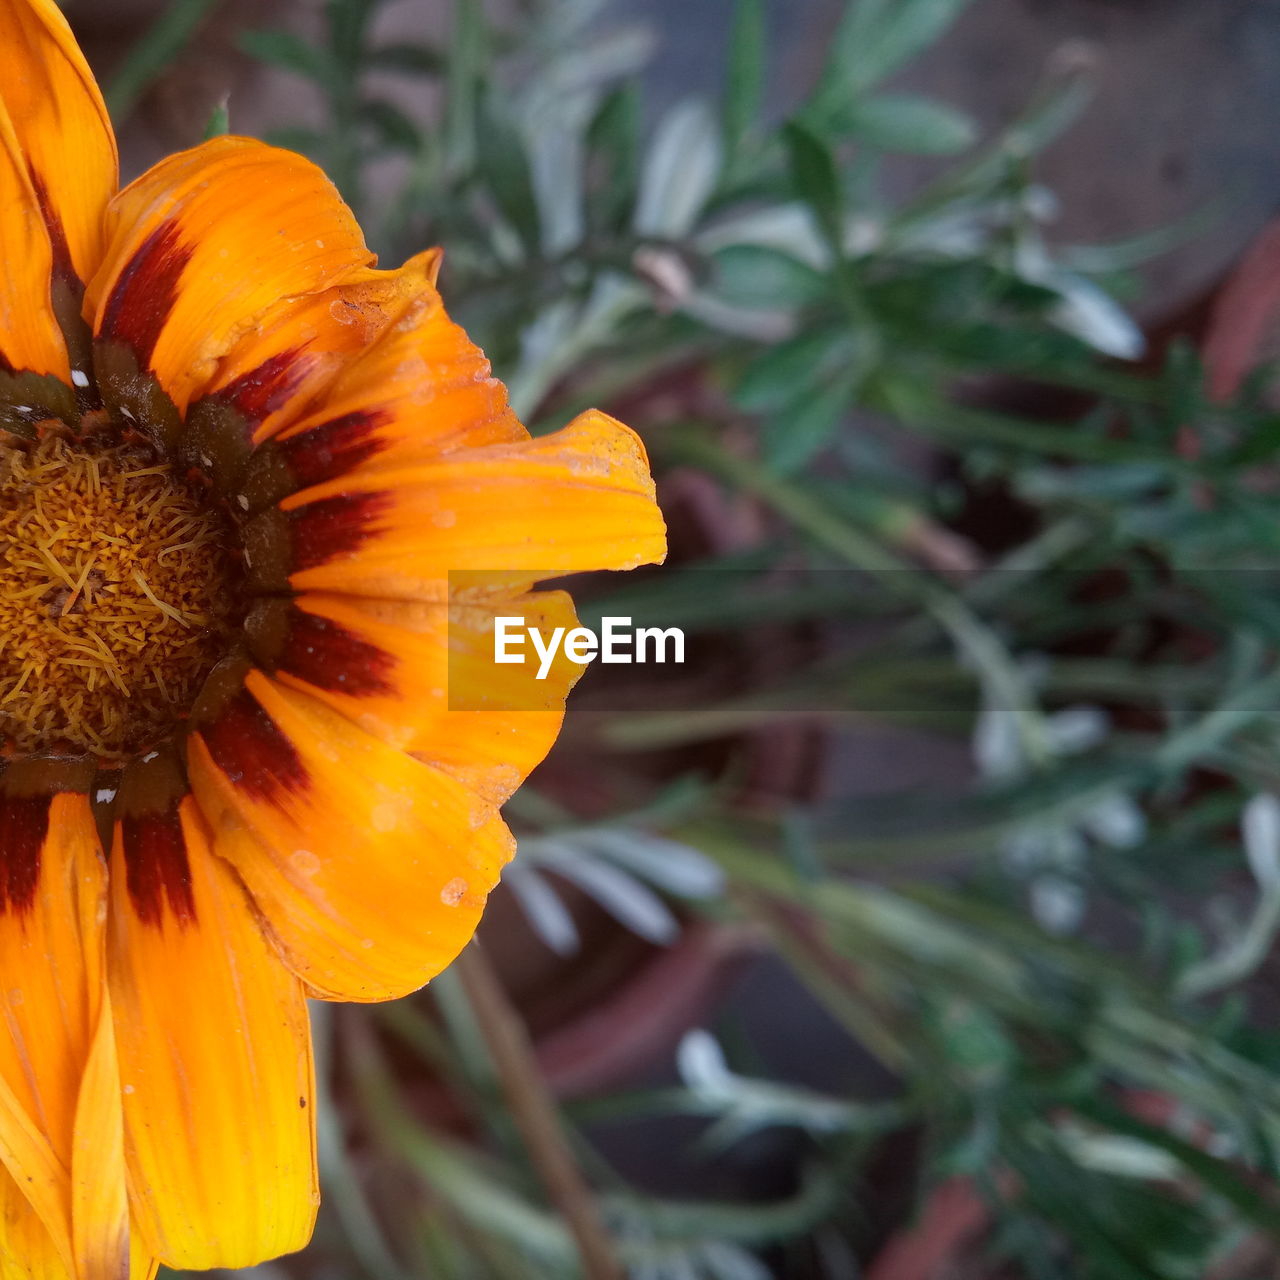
(238, 465)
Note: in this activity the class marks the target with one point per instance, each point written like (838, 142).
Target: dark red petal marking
(325, 654)
(333, 527)
(62, 264)
(334, 447)
(250, 748)
(157, 872)
(24, 824)
(145, 291)
(265, 389)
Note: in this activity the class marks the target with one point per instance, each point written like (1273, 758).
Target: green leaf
(794, 435)
(815, 178)
(680, 173)
(504, 166)
(416, 59)
(466, 63)
(613, 158)
(307, 141)
(744, 82)
(757, 276)
(874, 40)
(348, 21)
(219, 122)
(171, 32)
(394, 129)
(906, 123)
(285, 50)
(779, 376)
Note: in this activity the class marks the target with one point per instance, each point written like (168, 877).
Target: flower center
(116, 596)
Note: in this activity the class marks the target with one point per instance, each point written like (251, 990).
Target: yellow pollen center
(116, 597)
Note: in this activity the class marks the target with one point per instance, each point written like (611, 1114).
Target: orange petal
(289, 359)
(580, 499)
(214, 1046)
(99, 1203)
(62, 128)
(370, 867)
(422, 390)
(422, 677)
(30, 339)
(199, 249)
(27, 1250)
(52, 890)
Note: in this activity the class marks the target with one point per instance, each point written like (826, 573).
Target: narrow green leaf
(171, 32)
(306, 141)
(753, 275)
(466, 60)
(793, 436)
(504, 165)
(348, 22)
(874, 40)
(613, 158)
(393, 128)
(417, 59)
(905, 123)
(779, 376)
(681, 170)
(219, 121)
(744, 80)
(291, 53)
(815, 178)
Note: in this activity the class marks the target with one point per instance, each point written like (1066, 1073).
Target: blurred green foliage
(1106, 641)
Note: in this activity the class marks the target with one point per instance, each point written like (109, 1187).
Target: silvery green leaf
(680, 171)
(1076, 729)
(997, 744)
(1116, 820)
(547, 915)
(675, 867)
(742, 322)
(1117, 1155)
(623, 896)
(555, 164)
(1083, 310)
(1091, 315)
(1260, 826)
(700, 1062)
(875, 39)
(788, 228)
(909, 124)
(600, 62)
(1029, 847)
(1057, 903)
(725, 1261)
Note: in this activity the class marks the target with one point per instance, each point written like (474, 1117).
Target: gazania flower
(238, 466)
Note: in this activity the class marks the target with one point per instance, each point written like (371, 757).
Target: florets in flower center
(115, 596)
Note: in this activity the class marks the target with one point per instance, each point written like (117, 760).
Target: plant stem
(534, 1112)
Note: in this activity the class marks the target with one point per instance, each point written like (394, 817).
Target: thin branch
(534, 1112)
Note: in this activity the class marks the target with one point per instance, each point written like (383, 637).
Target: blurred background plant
(922, 930)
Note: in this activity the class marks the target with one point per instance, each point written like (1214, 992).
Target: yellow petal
(370, 867)
(199, 248)
(214, 1048)
(580, 499)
